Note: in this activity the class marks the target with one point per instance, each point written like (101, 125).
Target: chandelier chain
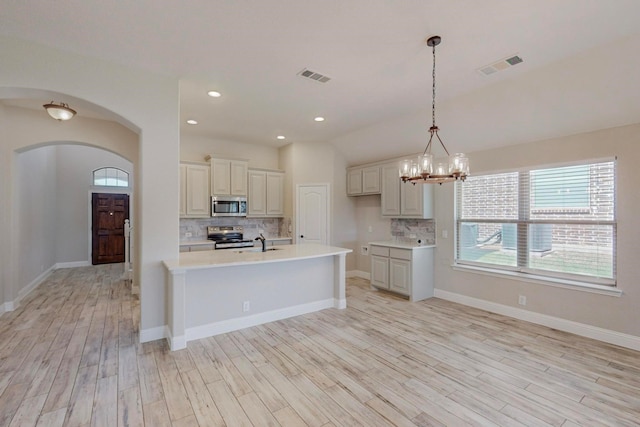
(433, 89)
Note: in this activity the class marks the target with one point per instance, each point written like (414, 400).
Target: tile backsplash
(405, 229)
(272, 227)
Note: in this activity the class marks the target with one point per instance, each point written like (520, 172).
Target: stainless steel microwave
(228, 206)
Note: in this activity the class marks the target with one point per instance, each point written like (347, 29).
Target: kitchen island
(213, 292)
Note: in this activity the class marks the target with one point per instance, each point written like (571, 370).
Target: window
(558, 222)
(110, 177)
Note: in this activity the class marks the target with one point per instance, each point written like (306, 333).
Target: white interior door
(312, 219)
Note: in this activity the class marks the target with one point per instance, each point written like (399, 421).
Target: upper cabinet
(363, 180)
(194, 191)
(404, 200)
(266, 193)
(228, 177)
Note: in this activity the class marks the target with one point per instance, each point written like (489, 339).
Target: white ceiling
(375, 54)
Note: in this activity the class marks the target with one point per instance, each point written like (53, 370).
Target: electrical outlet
(246, 306)
(260, 231)
(370, 229)
(364, 250)
(412, 236)
(445, 234)
(522, 300)
(188, 234)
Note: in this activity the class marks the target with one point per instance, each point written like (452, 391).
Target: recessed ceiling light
(280, 137)
(319, 119)
(214, 94)
(192, 122)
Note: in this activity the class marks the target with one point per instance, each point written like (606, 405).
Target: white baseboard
(72, 264)
(152, 334)
(12, 305)
(589, 331)
(340, 303)
(7, 306)
(359, 273)
(177, 343)
(230, 325)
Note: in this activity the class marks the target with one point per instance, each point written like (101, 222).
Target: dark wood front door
(109, 213)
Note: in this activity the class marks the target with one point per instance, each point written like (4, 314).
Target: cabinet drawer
(379, 250)
(400, 253)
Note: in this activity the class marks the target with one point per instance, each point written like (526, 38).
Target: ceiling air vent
(321, 78)
(503, 64)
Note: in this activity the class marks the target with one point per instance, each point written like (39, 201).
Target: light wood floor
(69, 355)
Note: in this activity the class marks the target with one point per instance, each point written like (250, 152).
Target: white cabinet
(363, 180)
(405, 271)
(195, 201)
(266, 193)
(186, 247)
(228, 177)
(390, 198)
(404, 200)
(380, 271)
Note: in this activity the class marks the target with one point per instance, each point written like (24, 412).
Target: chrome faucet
(263, 241)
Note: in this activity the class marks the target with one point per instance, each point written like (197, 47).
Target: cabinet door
(416, 201)
(371, 180)
(275, 194)
(220, 177)
(390, 190)
(198, 201)
(256, 201)
(411, 199)
(380, 271)
(400, 276)
(354, 182)
(183, 190)
(238, 178)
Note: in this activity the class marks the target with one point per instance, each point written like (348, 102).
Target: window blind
(557, 221)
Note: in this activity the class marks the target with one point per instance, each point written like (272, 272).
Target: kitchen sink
(257, 250)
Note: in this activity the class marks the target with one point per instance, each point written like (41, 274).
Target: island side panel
(339, 281)
(214, 297)
(176, 309)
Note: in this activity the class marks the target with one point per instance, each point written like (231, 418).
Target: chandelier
(423, 170)
(59, 111)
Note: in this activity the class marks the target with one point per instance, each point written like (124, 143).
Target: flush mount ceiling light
(192, 122)
(59, 111)
(214, 94)
(423, 170)
(319, 119)
(280, 137)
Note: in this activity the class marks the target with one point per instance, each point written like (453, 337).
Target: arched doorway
(48, 168)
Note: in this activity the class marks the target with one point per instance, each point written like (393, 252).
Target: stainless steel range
(228, 237)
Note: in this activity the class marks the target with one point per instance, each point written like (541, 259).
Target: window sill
(542, 280)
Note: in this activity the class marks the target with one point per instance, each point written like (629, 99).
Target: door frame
(111, 190)
(297, 210)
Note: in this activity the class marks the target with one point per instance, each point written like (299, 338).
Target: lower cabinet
(405, 271)
(196, 248)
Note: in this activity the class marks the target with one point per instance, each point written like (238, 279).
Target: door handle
(301, 236)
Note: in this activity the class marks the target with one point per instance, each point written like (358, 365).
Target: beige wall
(195, 148)
(613, 313)
(318, 163)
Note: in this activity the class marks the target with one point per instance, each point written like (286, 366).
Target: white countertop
(246, 256)
(402, 245)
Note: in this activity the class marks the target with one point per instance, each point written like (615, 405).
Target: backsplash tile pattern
(424, 230)
(198, 227)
